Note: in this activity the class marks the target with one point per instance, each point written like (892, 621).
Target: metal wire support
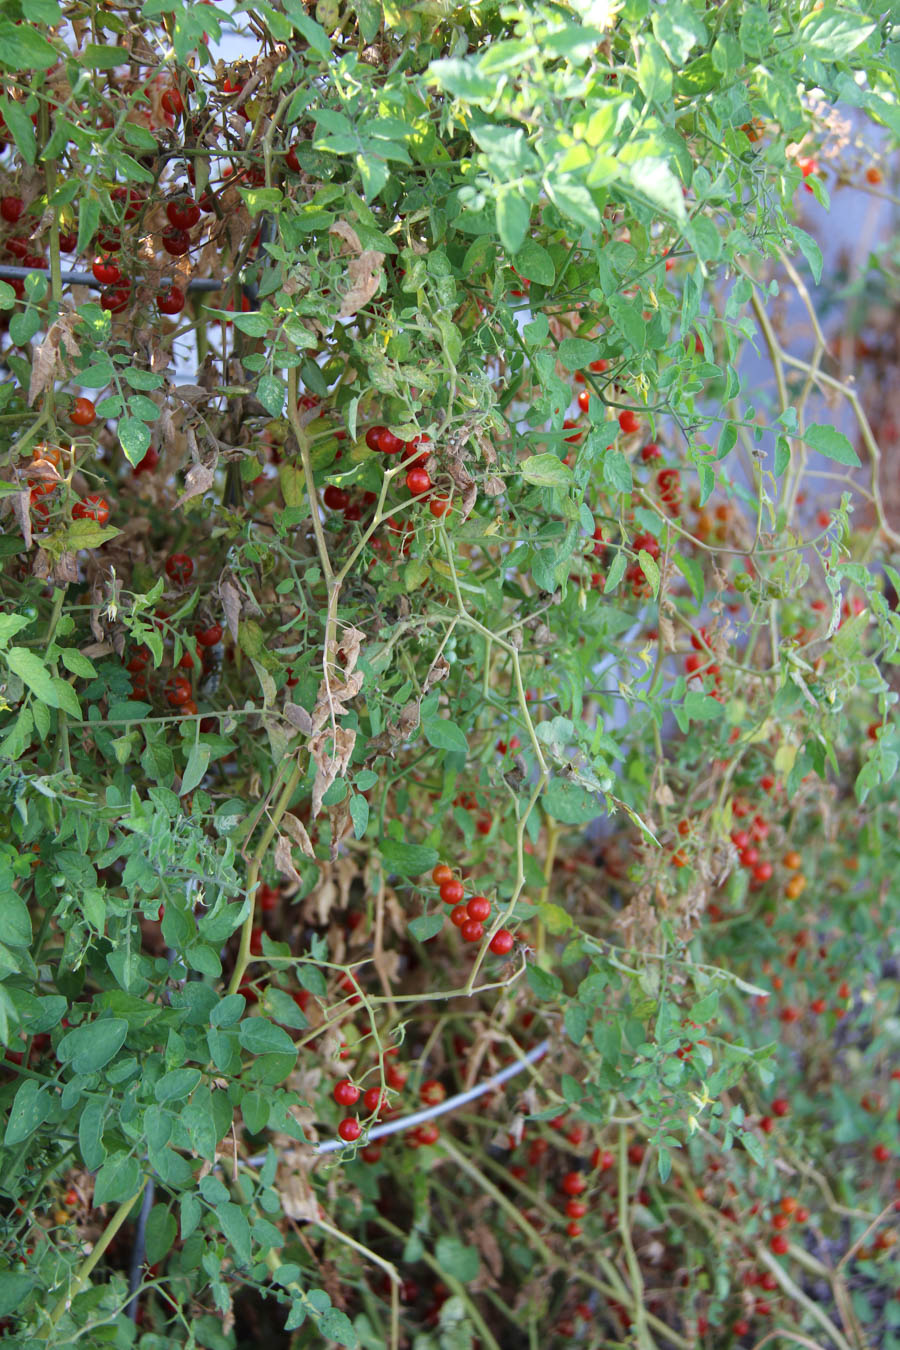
(10, 273)
(138, 1250)
(430, 1112)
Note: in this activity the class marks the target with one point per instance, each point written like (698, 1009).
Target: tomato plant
(448, 651)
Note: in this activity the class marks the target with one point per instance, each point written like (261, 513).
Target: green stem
(84, 1270)
(243, 956)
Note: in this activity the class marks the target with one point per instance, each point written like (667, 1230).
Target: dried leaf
(298, 1199)
(283, 860)
(365, 273)
(439, 670)
(199, 479)
(329, 765)
(332, 695)
(299, 718)
(347, 233)
(20, 503)
(297, 830)
(47, 363)
(231, 604)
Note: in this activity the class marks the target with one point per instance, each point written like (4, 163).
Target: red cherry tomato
(179, 568)
(91, 508)
(83, 412)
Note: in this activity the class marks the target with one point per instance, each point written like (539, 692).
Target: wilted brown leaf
(299, 718)
(231, 604)
(365, 273)
(329, 764)
(438, 670)
(297, 830)
(47, 363)
(20, 503)
(199, 479)
(283, 860)
(347, 233)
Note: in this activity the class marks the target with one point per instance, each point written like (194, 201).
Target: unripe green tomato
(29, 612)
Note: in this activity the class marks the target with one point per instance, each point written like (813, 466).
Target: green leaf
(33, 673)
(227, 1011)
(546, 470)
(650, 569)
(654, 72)
(691, 570)
(313, 32)
(544, 985)
(23, 48)
(457, 1259)
(617, 471)
(176, 1084)
(654, 179)
(755, 30)
(461, 79)
(138, 379)
(370, 18)
(88, 220)
(79, 664)
(14, 1289)
(134, 437)
(569, 803)
(30, 1108)
(444, 735)
(255, 1110)
(90, 1134)
(576, 1021)
(101, 58)
(615, 573)
(679, 30)
(834, 35)
(425, 926)
(195, 769)
(161, 1232)
(336, 1326)
(23, 326)
(270, 392)
(409, 860)
(22, 129)
(831, 443)
(142, 407)
(576, 353)
(261, 199)
(575, 201)
(513, 218)
(254, 325)
(261, 1037)
(117, 1179)
(66, 698)
(15, 920)
(810, 250)
(233, 1222)
(535, 264)
(90, 1047)
(359, 814)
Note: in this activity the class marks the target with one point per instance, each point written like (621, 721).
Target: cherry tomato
(183, 212)
(91, 508)
(178, 690)
(208, 637)
(179, 568)
(170, 301)
(82, 412)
